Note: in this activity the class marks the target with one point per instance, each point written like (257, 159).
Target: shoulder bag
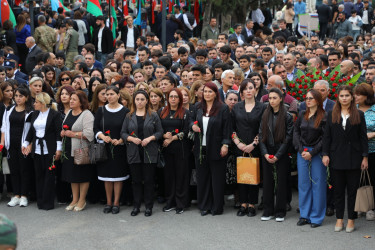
(81, 154)
(98, 152)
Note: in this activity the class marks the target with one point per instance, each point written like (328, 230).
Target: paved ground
(91, 229)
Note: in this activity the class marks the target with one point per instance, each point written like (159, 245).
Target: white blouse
(205, 125)
(344, 120)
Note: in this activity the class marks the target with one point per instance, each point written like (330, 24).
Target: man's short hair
(83, 66)
(221, 65)
(144, 48)
(80, 58)
(166, 61)
(182, 51)
(199, 68)
(42, 19)
(225, 49)
(233, 39)
(335, 52)
(179, 32)
(223, 34)
(267, 49)
(201, 52)
(246, 57)
(90, 48)
(60, 54)
(129, 53)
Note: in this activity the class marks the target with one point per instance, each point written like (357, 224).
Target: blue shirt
(23, 34)
(370, 125)
(300, 8)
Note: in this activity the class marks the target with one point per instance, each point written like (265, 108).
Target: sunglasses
(65, 79)
(309, 98)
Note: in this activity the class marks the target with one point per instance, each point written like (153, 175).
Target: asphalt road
(91, 229)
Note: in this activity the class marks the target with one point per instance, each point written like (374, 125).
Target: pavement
(92, 229)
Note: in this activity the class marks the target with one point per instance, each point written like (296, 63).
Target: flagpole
(163, 25)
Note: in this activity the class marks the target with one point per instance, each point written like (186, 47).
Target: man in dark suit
(325, 16)
(277, 32)
(131, 42)
(248, 30)
(10, 67)
(34, 50)
(323, 87)
(17, 73)
(103, 40)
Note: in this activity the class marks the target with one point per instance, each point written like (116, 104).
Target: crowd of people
(172, 123)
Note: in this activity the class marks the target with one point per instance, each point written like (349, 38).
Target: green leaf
(354, 79)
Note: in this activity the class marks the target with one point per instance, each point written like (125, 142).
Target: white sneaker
(24, 202)
(279, 219)
(14, 202)
(266, 218)
(370, 215)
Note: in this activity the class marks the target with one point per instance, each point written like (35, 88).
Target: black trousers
(211, 184)
(176, 177)
(248, 193)
(366, 28)
(143, 181)
(20, 172)
(45, 181)
(345, 180)
(323, 30)
(22, 53)
(5, 179)
(63, 188)
(330, 192)
(282, 169)
(371, 169)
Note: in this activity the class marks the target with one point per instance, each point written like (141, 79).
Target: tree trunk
(207, 12)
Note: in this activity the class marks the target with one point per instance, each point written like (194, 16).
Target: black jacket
(270, 147)
(31, 59)
(107, 40)
(152, 126)
(52, 131)
(124, 34)
(324, 13)
(218, 132)
(346, 148)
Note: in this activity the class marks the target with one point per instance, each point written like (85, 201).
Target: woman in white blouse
(44, 143)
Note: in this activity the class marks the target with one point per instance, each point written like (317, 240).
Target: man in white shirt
(130, 34)
(258, 18)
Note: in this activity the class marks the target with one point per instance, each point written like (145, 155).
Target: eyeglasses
(173, 97)
(65, 79)
(309, 98)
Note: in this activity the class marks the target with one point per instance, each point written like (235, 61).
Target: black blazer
(52, 132)
(329, 105)
(246, 125)
(31, 59)
(324, 13)
(124, 34)
(346, 148)
(19, 74)
(107, 40)
(218, 132)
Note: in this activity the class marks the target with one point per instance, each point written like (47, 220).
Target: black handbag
(98, 151)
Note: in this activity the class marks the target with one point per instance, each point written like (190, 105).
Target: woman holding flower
(274, 144)
(307, 140)
(212, 129)
(345, 150)
(246, 117)
(107, 129)
(77, 132)
(175, 123)
(141, 131)
(44, 143)
(15, 126)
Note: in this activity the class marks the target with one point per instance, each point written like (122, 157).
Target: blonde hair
(196, 85)
(142, 84)
(35, 79)
(238, 72)
(124, 94)
(187, 91)
(45, 99)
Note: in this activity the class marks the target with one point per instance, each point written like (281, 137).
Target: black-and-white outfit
(115, 167)
(45, 137)
(15, 127)
(142, 160)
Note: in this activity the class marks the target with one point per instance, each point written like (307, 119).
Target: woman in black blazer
(246, 117)
(44, 143)
(142, 149)
(345, 150)
(212, 127)
(275, 136)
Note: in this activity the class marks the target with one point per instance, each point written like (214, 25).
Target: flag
(196, 10)
(7, 13)
(17, 2)
(126, 10)
(153, 11)
(55, 4)
(138, 20)
(112, 18)
(93, 7)
(170, 8)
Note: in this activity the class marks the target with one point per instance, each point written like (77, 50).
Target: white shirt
(257, 16)
(100, 35)
(40, 129)
(248, 32)
(186, 21)
(205, 120)
(354, 21)
(365, 17)
(344, 120)
(130, 38)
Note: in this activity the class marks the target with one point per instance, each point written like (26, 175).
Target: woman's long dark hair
(26, 93)
(354, 117)
(217, 102)
(180, 109)
(319, 111)
(261, 80)
(91, 82)
(279, 133)
(133, 108)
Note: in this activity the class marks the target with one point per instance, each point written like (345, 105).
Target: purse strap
(103, 118)
(244, 154)
(364, 174)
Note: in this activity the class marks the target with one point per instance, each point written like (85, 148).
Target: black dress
(74, 173)
(115, 167)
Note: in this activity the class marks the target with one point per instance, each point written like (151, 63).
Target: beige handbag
(364, 201)
(81, 155)
(248, 170)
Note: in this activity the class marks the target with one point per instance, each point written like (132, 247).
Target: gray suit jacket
(31, 59)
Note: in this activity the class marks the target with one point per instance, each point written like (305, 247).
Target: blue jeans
(102, 58)
(355, 34)
(312, 193)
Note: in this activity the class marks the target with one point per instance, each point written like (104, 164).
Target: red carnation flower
(289, 93)
(329, 95)
(333, 90)
(298, 98)
(336, 72)
(299, 91)
(340, 81)
(53, 167)
(294, 94)
(306, 81)
(332, 78)
(302, 77)
(300, 86)
(233, 135)
(271, 156)
(304, 96)
(334, 84)
(305, 87)
(320, 77)
(176, 130)
(311, 76)
(65, 127)
(196, 122)
(318, 72)
(336, 95)
(308, 74)
(132, 133)
(326, 74)
(108, 132)
(348, 78)
(1, 148)
(350, 84)
(344, 79)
